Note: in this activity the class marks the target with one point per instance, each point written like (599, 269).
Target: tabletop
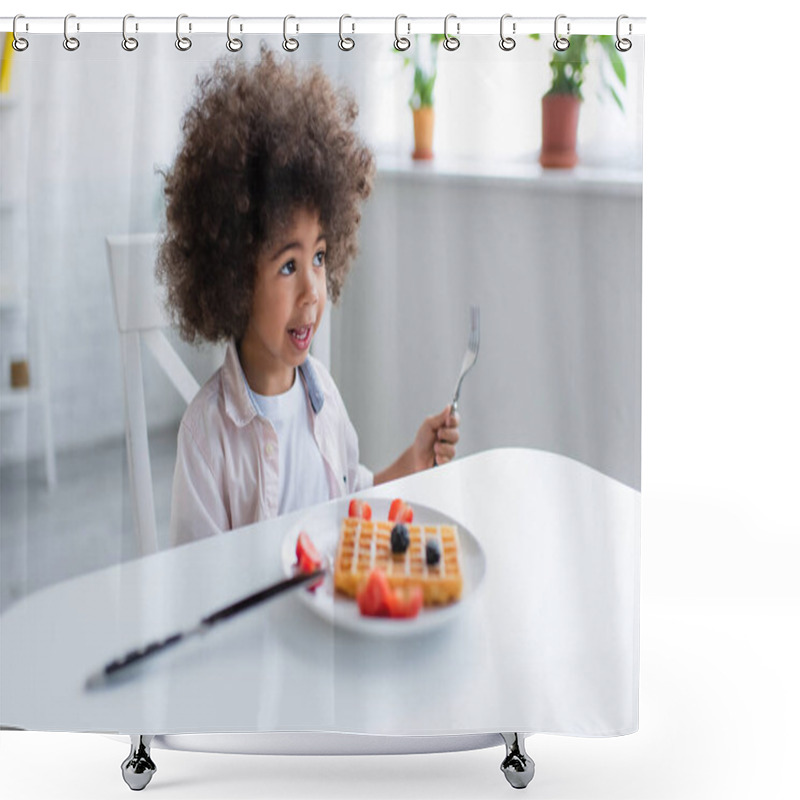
(548, 642)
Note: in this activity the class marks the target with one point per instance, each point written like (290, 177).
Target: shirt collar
(313, 386)
(238, 403)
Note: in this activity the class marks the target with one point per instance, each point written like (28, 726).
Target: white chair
(141, 317)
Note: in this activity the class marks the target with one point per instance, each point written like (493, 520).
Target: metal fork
(471, 355)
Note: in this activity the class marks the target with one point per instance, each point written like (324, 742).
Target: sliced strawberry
(305, 548)
(394, 509)
(400, 511)
(405, 603)
(373, 598)
(359, 509)
(377, 599)
(308, 558)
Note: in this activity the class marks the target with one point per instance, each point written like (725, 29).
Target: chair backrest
(141, 316)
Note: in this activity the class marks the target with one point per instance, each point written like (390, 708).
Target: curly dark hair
(260, 141)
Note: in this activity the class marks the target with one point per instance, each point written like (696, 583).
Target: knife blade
(113, 668)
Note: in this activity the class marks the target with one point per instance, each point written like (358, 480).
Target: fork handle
(453, 409)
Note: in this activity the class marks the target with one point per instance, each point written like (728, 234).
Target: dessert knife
(114, 668)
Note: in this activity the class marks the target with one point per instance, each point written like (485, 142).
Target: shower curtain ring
(623, 45)
(70, 42)
(183, 43)
(19, 44)
(507, 42)
(290, 45)
(233, 44)
(128, 42)
(560, 43)
(451, 43)
(345, 42)
(401, 43)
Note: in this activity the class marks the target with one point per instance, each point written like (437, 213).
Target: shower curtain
(508, 241)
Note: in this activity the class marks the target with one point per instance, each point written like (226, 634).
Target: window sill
(583, 179)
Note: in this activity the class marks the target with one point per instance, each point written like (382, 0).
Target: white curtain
(545, 486)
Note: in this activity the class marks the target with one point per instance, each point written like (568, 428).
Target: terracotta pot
(559, 130)
(423, 133)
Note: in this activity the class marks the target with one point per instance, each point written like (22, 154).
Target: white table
(548, 644)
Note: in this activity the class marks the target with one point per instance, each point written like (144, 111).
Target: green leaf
(616, 98)
(617, 64)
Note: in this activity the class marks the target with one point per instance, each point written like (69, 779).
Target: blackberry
(432, 552)
(400, 539)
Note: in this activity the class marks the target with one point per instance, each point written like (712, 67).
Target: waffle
(365, 545)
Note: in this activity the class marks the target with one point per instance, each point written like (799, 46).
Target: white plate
(322, 525)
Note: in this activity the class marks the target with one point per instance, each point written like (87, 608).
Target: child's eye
(319, 259)
(287, 268)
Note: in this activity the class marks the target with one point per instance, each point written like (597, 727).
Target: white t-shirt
(301, 469)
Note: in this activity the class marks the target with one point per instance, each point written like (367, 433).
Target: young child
(263, 207)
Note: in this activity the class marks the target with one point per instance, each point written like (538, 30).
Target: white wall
(556, 271)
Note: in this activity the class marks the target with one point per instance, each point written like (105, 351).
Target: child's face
(288, 301)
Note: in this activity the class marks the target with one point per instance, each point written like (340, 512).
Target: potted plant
(421, 100)
(561, 103)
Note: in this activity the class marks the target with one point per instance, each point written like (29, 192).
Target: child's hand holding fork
(436, 440)
(434, 445)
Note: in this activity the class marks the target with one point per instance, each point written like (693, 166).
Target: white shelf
(590, 179)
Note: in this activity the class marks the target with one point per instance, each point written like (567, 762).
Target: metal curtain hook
(128, 42)
(183, 43)
(234, 45)
(290, 45)
(450, 42)
(623, 45)
(19, 44)
(560, 43)
(401, 43)
(506, 42)
(345, 42)
(70, 42)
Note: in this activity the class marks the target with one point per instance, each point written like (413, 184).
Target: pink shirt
(226, 474)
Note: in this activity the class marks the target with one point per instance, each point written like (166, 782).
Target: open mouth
(301, 336)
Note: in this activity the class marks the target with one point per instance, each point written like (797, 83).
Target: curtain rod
(514, 26)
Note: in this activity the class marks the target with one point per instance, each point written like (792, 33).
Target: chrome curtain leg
(517, 766)
(138, 768)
